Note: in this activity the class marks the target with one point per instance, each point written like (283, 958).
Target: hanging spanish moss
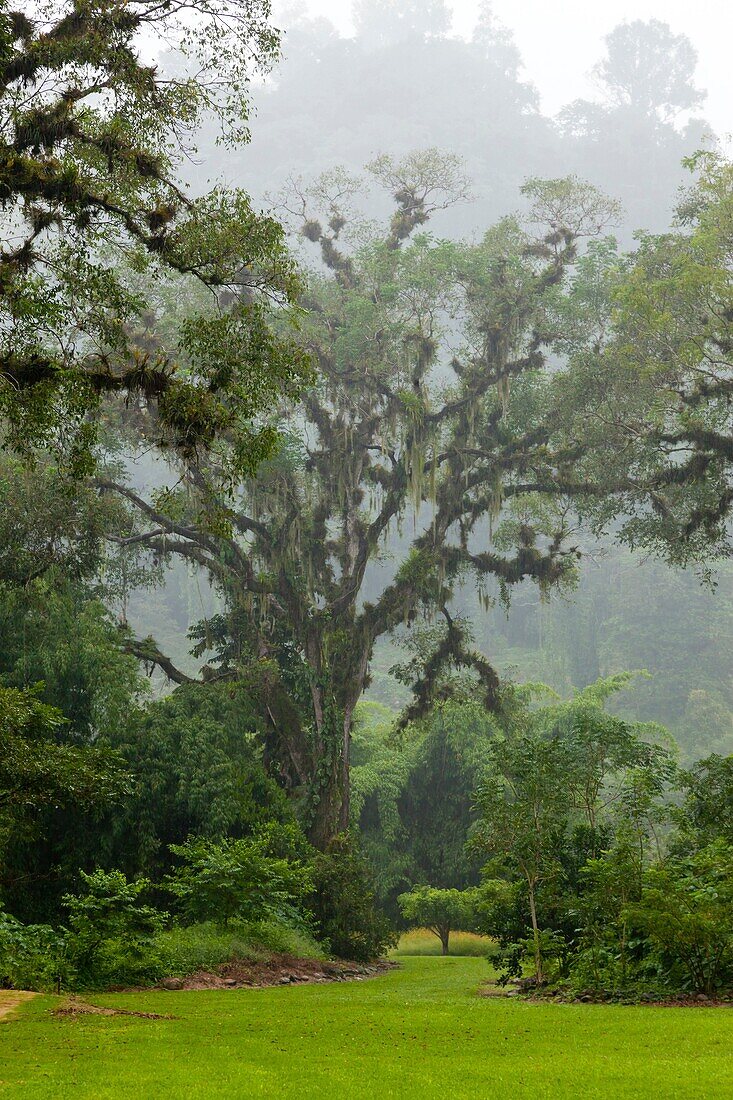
(377, 447)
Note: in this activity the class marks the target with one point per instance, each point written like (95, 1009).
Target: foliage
(412, 794)
(37, 773)
(344, 904)
(61, 635)
(565, 785)
(186, 949)
(546, 944)
(33, 956)
(49, 523)
(115, 940)
(576, 822)
(197, 761)
(707, 810)
(524, 802)
(90, 155)
(652, 385)
(686, 913)
(57, 635)
(442, 911)
(226, 879)
(112, 932)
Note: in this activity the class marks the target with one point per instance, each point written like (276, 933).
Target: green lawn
(420, 1031)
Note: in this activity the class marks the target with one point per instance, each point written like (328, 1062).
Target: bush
(686, 914)
(112, 935)
(33, 956)
(515, 959)
(344, 904)
(225, 879)
(111, 939)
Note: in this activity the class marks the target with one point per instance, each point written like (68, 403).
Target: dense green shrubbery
(32, 956)
(600, 883)
(343, 903)
(221, 880)
(111, 938)
(238, 899)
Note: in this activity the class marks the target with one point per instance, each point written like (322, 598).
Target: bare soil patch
(10, 999)
(75, 1007)
(277, 970)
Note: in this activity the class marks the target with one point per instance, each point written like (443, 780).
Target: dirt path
(10, 999)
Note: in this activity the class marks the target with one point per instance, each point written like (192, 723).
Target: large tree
(94, 215)
(428, 416)
(651, 378)
(650, 69)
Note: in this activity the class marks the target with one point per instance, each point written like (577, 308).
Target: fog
(560, 39)
(513, 91)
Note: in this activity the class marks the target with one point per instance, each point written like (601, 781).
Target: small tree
(344, 905)
(112, 931)
(440, 911)
(525, 801)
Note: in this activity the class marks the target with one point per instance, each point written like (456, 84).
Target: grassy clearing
(420, 941)
(420, 1031)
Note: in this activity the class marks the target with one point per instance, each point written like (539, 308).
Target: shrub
(344, 903)
(516, 959)
(33, 956)
(111, 938)
(225, 879)
(686, 913)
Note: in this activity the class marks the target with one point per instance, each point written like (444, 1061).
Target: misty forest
(366, 539)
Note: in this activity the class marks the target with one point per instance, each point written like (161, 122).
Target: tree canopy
(431, 362)
(652, 381)
(95, 216)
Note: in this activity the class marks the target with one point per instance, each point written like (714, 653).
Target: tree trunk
(344, 769)
(444, 938)
(536, 936)
(325, 821)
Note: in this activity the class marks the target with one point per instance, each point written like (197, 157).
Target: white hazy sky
(560, 41)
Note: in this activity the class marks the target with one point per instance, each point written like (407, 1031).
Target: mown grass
(420, 941)
(418, 1031)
